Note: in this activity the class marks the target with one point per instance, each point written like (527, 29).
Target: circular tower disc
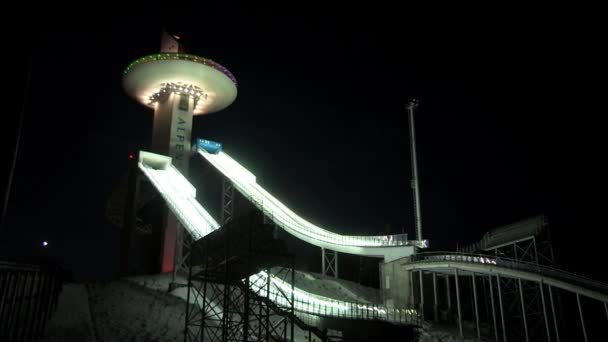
(149, 76)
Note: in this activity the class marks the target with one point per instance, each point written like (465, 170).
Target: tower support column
(171, 135)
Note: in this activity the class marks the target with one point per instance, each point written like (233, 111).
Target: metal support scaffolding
(182, 251)
(546, 319)
(553, 311)
(476, 307)
(229, 298)
(458, 304)
(493, 308)
(449, 295)
(420, 278)
(580, 312)
(227, 201)
(329, 262)
(533, 249)
(411, 283)
(523, 310)
(502, 312)
(435, 304)
(522, 305)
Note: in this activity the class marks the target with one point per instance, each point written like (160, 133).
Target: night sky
(503, 129)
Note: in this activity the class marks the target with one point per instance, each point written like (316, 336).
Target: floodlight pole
(415, 186)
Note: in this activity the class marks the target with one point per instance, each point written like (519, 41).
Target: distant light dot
(44, 243)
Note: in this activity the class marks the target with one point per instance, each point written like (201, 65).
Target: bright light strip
(245, 182)
(319, 305)
(457, 257)
(180, 196)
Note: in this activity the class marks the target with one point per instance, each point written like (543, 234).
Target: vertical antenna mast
(410, 108)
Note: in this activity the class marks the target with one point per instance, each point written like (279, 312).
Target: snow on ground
(161, 283)
(142, 309)
(72, 320)
(125, 311)
(335, 288)
(432, 332)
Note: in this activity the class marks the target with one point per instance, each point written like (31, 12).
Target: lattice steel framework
(536, 250)
(226, 309)
(227, 201)
(228, 299)
(329, 262)
(521, 307)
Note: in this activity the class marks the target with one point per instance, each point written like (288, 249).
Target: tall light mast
(415, 185)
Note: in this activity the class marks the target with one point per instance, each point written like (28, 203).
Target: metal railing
(513, 264)
(305, 302)
(342, 309)
(28, 296)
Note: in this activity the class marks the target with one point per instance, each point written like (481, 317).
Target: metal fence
(28, 296)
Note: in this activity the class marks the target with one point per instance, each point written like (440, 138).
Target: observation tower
(177, 86)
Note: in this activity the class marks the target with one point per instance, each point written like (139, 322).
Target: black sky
(505, 128)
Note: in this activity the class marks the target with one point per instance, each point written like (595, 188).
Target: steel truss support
(545, 318)
(523, 309)
(493, 308)
(449, 296)
(184, 241)
(229, 298)
(458, 303)
(182, 251)
(421, 304)
(502, 311)
(227, 201)
(580, 312)
(476, 307)
(532, 250)
(221, 311)
(411, 285)
(553, 311)
(435, 303)
(329, 262)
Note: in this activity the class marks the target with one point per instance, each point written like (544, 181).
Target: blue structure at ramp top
(213, 147)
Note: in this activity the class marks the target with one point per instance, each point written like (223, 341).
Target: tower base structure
(171, 135)
(177, 86)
